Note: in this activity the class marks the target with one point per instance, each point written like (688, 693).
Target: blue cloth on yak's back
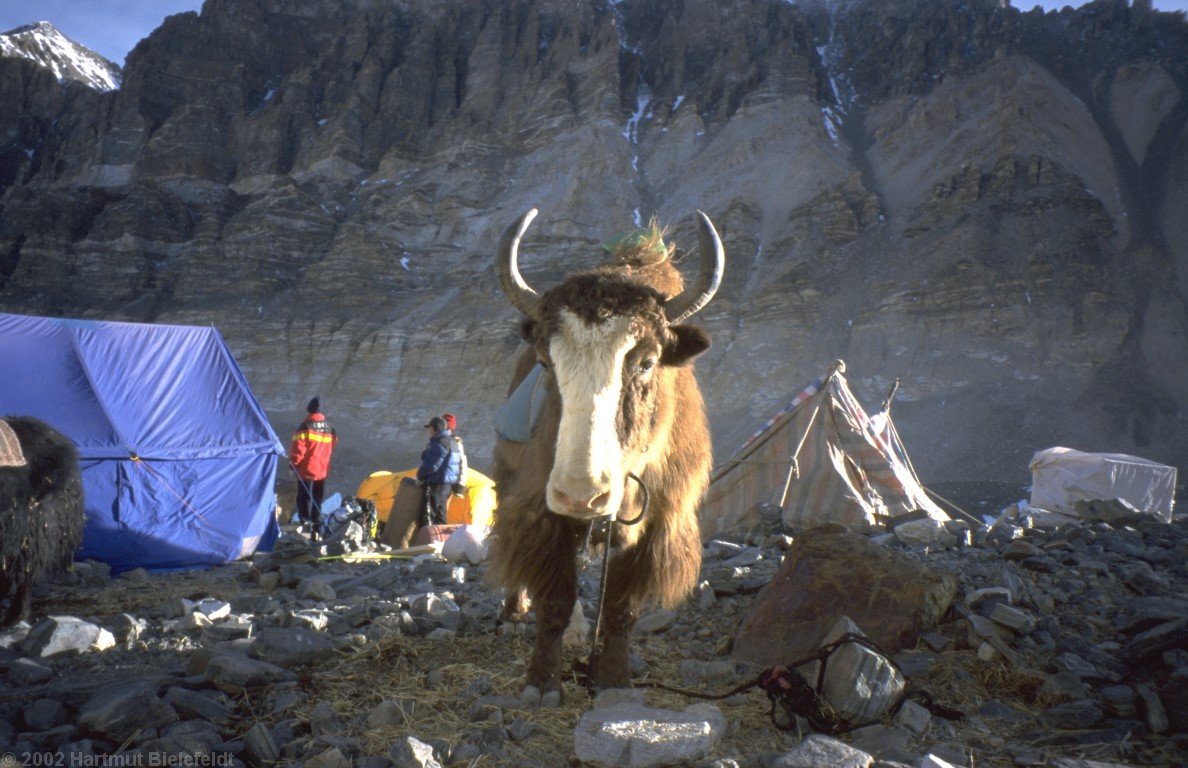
(517, 416)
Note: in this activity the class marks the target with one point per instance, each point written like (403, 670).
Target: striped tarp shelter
(820, 459)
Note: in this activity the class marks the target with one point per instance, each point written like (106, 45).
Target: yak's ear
(686, 343)
(526, 329)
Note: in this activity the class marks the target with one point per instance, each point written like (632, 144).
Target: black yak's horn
(518, 292)
(709, 276)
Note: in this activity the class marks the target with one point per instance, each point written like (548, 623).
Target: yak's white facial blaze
(587, 477)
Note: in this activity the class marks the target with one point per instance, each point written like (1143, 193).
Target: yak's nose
(580, 497)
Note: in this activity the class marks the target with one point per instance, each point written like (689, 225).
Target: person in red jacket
(309, 453)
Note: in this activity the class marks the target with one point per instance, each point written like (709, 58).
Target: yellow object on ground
(477, 507)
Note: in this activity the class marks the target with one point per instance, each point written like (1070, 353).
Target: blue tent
(178, 459)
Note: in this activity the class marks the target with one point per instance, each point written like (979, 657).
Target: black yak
(41, 509)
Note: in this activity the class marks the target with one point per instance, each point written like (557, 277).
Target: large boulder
(828, 573)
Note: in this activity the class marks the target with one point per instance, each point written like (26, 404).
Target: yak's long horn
(518, 292)
(709, 275)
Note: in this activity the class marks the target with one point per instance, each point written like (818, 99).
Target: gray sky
(112, 28)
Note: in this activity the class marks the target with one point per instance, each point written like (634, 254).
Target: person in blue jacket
(441, 467)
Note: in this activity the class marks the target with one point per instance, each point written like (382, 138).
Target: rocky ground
(1065, 646)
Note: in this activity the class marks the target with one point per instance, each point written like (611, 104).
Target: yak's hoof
(532, 697)
(516, 629)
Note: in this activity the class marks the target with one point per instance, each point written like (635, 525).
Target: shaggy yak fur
(41, 513)
(661, 425)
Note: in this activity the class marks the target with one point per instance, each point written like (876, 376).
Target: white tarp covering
(1060, 477)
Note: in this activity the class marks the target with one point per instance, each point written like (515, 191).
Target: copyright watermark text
(127, 760)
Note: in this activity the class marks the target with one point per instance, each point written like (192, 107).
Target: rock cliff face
(989, 205)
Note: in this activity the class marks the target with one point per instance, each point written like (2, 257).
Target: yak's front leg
(612, 668)
(543, 687)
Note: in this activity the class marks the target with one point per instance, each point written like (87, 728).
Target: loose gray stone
(431, 605)
(234, 674)
(192, 704)
(393, 712)
(521, 730)
(118, 710)
(913, 717)
(1120, 699)
(56, 635)
(1075, 665)
(1021, 549)
(213, 609)
(196, 729)
(259, 745)
(886, 742)
(135, 576)
(292, 646)
(818, 751)
(997, 710)
(232, 628)
(860, 683)
(916, 663)
(1155, 641)
(14, 635)
(93, 573)
(1064, 685)
(412, 753)
(127, 628)
(192, 621)
(26, 672)
(635, 736)
(1152, 709)
(920, 533)
(315, 620)
(933, 761)
(43, 715)
(657, 621)
(1073, 715)
(1147, 612)
(315, 588)
(173, 750)
(324, 720)
(331, 758)
(1015, 619)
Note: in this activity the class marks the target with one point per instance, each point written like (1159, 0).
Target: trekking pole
(308, 486)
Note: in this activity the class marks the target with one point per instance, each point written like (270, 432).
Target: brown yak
(620, 399)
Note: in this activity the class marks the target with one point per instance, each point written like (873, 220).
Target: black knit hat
(314, 406)
(437, 424)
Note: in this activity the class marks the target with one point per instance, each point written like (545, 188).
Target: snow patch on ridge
(43, 44)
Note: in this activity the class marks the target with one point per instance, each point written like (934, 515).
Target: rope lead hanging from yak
(585, 669)
(784, 685)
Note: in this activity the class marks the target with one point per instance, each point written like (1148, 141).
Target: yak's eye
(647, 364)
(542, 363)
